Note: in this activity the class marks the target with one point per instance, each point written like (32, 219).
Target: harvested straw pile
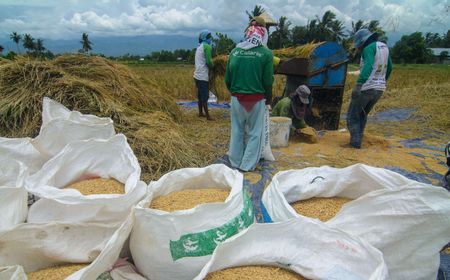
(189, 198)
(98, 186)
(322, 208)
(254, 273)
(161, 144)
(94, 85)
(55, 272)
(303, 51)
(91, 85)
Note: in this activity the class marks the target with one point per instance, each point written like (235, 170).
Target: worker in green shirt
(203, 62)
(249, 78)
(294, 106)
(375, 68)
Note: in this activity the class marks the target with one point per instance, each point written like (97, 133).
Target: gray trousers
(360, 106)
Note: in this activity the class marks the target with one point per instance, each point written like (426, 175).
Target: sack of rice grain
(61, 126)
(304, 246)
(386, 205)
(13, 196)
(108, 159)
(39, 246)
(176, 245)
(14, 272)
(22, 150)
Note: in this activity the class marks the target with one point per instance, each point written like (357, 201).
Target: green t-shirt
(250, 71)
(283, 109)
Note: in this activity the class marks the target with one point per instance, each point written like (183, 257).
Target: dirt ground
(419, 159)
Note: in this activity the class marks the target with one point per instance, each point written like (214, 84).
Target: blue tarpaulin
(194, 104)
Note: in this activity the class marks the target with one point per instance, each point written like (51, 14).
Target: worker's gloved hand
(356, 92)
(269, 107)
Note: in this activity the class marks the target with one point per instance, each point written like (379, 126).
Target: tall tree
(1, 49)
(39, 48)
(16, 39)
(357, 26)
(222, 44)
(433, 40)
(28, 43)
(411, 49)
(280, 38)
(86, 45)
(257, 10)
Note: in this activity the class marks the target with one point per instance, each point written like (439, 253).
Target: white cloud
(60, 19)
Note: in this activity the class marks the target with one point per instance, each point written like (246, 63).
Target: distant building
(141, 59)
(441, 55)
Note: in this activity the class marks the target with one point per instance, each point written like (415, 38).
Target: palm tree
(85, 43)
(39, 47)
(374, 26)
(357, 26)
(258, 10)
(28, 42)
(16, 39)
(282, 32)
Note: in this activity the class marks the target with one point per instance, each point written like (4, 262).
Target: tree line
(35, 47)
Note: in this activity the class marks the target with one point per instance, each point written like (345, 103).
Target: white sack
(14, 272)
(178, 244)
(303, 245)
(110, 253)
(13, 196)
(37, 246)
(112, 158)
(22, 150)
(61, 126)
(409, 225)
(406, 220)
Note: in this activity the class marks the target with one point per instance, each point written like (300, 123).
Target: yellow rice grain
(59, 272)
(98, 186)
(254, 273)
(446, 251)
(322, 208)
(189, 198)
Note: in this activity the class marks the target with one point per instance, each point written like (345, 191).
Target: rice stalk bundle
(303, 51)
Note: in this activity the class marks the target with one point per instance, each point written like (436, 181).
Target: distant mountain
(116, 46)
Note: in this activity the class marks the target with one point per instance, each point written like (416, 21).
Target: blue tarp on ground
(194, 104)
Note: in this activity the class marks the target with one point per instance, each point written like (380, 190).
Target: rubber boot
(205, 106)
(200, 109)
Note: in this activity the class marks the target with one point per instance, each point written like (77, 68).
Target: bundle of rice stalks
(303, 51)
(91, 85)
(218, 72)
(160, 144)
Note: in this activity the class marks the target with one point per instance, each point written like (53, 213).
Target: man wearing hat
(375, 68)
(249, 78)
(294, 106)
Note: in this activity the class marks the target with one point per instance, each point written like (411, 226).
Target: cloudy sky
(56, 19)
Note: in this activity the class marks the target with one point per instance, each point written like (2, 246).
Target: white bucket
(279, 131)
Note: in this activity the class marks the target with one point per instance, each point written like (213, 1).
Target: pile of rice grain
(322, 208)
(254, 273)
(189, 198)
(55, 272)
(98, 186)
